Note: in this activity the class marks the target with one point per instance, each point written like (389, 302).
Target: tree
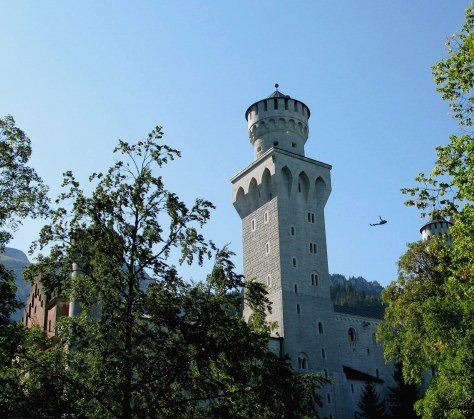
(430, 315)
(370, 405)
(144, 342)
(22, 195)
(402, 398)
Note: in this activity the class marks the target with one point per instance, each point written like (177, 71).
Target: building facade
(280, 198)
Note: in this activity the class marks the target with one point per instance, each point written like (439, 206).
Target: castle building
(280, 198)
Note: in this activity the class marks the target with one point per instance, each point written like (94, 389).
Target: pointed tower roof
(277, 93)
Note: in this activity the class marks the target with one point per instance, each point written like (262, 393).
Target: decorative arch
(254, 193)
(287, 180)
(267, 185)
(320, 189)
(303, 185)
(241, 202)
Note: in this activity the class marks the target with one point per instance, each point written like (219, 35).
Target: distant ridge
(356, 293)
(16, 260)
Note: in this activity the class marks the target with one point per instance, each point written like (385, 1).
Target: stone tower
(280, 198)
(436, 226)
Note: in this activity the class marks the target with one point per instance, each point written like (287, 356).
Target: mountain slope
(356, 292)
(16, 260)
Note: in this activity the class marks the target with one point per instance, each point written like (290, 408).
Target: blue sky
(77, 76)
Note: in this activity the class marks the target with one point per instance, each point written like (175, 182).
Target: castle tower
(280, 198)
(436, 226)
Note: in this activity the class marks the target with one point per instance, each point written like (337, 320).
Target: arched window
(320, 328)
(302, 362)
(352, 336)
(314, 279)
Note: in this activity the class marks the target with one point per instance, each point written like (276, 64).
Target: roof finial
(277, 86)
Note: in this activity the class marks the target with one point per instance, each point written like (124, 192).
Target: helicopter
(381, 222)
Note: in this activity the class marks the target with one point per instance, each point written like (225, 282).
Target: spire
(277, 93)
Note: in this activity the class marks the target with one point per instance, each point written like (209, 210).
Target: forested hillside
(16, 260)
(356, 292)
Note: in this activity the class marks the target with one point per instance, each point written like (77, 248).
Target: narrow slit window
(267, 248)
(293, 145)
(314, 279)
(323, 353)
(269, 280)
(286, 104)
(294, 262)
(265, 217)
(298, 309)
(299, 187)
(320, 328)
(292, 230)
(265, 106)
(275, 103)
(296, 288)
(253, 224)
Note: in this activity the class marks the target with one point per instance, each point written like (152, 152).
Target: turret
(438, 226)
(278, 121)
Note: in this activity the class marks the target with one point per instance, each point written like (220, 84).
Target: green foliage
(22, 193)
(370, 404)
(430, 315)
(429, 324)
(145, 342)
(402, 397)
(452, 179)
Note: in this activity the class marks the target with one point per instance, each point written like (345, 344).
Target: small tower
(278, 121)
(436, 226)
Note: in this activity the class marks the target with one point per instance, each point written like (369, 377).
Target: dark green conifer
(370, 405)
(402, 397)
